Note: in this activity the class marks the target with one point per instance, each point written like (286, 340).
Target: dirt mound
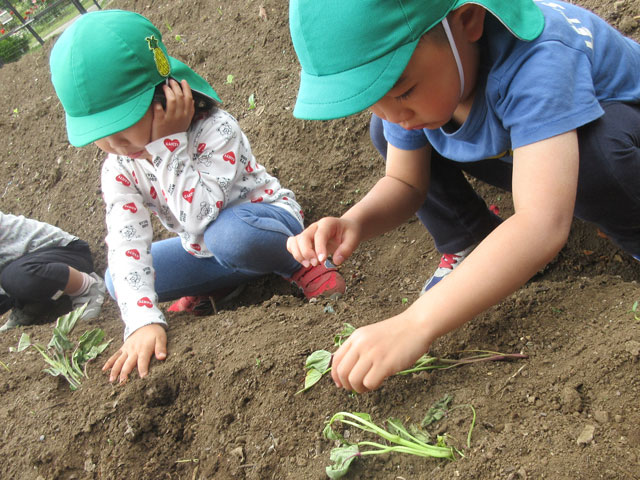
(223, 405)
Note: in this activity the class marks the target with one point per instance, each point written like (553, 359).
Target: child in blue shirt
(539, 98)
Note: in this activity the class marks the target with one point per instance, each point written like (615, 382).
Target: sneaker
(323, 280)
(200, 305)
(94, 298)
(18, 318)
(448, 262)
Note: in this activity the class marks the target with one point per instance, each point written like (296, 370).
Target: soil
(222, 405)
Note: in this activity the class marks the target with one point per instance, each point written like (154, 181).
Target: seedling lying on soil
(636, 311)
(62, 355)
(319, 362)
(396, 437)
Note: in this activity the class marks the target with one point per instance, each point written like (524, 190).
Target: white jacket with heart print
(194, 175)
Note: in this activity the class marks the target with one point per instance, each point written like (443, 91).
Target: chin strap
(456, 55)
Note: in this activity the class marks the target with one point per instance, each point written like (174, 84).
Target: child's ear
(470, 18)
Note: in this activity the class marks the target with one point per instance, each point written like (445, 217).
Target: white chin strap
(456, 55)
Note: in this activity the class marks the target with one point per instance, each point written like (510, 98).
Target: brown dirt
(222, 405)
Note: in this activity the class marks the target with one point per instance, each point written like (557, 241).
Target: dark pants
(39, 277)
(608, 185)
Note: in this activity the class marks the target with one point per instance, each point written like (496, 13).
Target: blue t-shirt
(530, 91)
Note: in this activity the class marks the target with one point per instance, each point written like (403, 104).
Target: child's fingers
(348, 244)
(306, 245)
(292, 247)
(161, 348)
(127, 367)
(112, 359)
(117, 366)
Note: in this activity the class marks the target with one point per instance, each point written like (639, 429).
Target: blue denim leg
(252, 238)
(247, 241)
(178, 273)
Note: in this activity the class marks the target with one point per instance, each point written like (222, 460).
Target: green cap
(352, 52)
(105, 68)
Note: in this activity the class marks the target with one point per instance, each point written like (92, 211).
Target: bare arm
(544, 185)
(392, 200)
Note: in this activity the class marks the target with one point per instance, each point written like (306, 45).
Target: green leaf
(396, 427)
(341, 458)
(59, 342)
(313, 376)
(24, 342)
(318, 360)
(252, 101)
(229, 78)
(437, 411)
(341, 337)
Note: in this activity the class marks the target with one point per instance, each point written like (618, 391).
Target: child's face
(427, 93)
(130, 142)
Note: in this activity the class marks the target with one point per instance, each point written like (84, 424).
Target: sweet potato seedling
(318, 363)
(63, 356)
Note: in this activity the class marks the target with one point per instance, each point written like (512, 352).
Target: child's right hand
(137, 350)
(338, 237)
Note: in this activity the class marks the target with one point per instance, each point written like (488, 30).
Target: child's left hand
(177, 115)
(377, 351)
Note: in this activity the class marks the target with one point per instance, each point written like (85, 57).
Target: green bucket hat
(352, 52)
(105, 68)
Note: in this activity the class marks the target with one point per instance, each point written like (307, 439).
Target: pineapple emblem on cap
(162, 63)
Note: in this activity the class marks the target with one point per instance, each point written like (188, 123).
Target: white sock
(87, 281)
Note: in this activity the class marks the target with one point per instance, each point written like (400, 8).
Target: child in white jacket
(174, 154)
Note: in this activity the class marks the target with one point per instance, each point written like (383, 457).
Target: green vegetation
(63, 356)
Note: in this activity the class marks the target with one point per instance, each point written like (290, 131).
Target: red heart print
(164, 195)
(248, 168)
(285, 198)
(201, 147)
(188, 195)
(196, 247)
(229, 157)
(301, 213)
(153, 193)
(171, 144)
(219, 204)
(131, 207)
(268, 191)
(145, 302)
(134, 177)
(256, 200)
(123, 180)
(133, 253)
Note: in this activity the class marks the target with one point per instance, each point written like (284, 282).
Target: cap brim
(89, 128)
(326, 97)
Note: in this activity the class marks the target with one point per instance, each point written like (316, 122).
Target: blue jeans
(608, 185)
(247, 241)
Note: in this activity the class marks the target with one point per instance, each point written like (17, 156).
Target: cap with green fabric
(105, 68)
(352, 52)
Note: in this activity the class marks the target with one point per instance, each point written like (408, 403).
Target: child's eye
(405, 95)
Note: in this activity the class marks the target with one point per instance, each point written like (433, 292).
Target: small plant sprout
(318, 363)
(178, 38)
(636, 311)
(65, 358)
(396, 436)
(252, 101)
(4, 365)
(229, 79)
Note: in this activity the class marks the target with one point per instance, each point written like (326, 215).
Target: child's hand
(329, 236)
(377, 351)
(137, 350)
(177, 115)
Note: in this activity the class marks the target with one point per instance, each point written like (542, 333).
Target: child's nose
(392, 113)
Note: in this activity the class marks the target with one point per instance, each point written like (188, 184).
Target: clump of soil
(222, 405)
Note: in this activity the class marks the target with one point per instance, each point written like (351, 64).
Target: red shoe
(200, 305)
(320, 281)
